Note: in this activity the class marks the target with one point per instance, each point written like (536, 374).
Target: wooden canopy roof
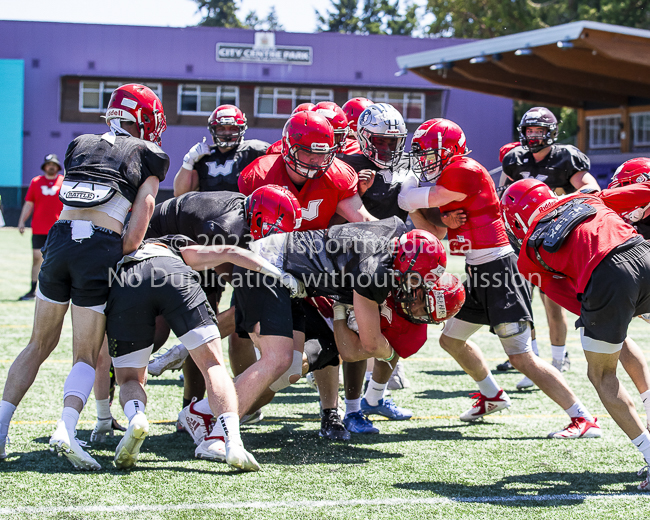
(580, 65)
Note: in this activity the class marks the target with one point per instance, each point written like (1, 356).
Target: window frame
(383, 96)
(294, 97)
(633, 126)
(592, 145)
(179, 103)
(102, 90)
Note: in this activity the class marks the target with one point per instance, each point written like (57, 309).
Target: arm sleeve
(411, 197)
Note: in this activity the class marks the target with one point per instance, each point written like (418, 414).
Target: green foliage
(342, 19)
(219, 13)
(376, 17)
(270, 23)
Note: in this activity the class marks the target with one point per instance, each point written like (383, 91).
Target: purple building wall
(53, 50)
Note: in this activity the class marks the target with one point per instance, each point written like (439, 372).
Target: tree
(270, 23)
(219, 13)
(343, 18)
(383, 17)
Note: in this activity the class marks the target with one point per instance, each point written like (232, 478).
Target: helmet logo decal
(441, 308)
(130, 103)
(227, 112)
(320, 147)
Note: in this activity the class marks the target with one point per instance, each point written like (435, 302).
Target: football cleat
(311, 380)
(238, 457)
(173, 359)
(67, 445)
(525, 383)
(564, 364)
(211, 448)
(3, 448)
(398, 379)
(579, 428)
(505, 366)
(331, 426)
(197, 424)
(645, 485)
(252, 418)
(128, 449)
(27, 297)
(387, 408)
(356, 422)
(486, 405)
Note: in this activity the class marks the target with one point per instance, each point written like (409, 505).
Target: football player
(564, 169)
(353, 109)
(579, 241)
(496, 294)
(216, 167)
(276, 147)
(106, 176)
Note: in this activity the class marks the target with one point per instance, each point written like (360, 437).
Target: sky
(294, 15)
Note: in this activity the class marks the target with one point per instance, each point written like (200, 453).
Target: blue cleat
(356, 422)
(387, 408)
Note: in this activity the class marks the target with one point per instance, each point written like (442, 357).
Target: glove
(637, 214)
(352, 322)
(197, 151)
(296, 287)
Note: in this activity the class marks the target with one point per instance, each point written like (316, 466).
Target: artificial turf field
(433, 466)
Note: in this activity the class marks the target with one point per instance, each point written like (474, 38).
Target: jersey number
(214, 169)
(311, 211)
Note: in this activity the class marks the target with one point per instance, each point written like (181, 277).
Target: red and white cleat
(486, 405)
(211, 448)
(197, 424)
(580, 428)
(645, 485)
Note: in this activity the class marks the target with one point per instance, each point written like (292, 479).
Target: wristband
(340, 312)
(268, 269)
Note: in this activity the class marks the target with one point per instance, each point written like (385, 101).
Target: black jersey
(220, 171)
(210, 218)
(120, 162)
(555, 170)
(342, 259)
(381, 198)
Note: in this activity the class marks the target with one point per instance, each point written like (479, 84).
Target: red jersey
(318, 197)
(585, 246)
(350, 146)
(44, 193)
(484, 227)
(275, 148)
(403, 335)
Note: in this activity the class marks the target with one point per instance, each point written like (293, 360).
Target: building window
(280, 101)
(95, 95)
(640, 129)
(409, 104)
(604, 131)
(200, 100)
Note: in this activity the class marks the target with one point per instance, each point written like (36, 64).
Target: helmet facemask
(540, 140)
(428, 164)
(227, 139)
(385, 150)
(310, 169)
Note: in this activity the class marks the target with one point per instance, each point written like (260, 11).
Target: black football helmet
(538, 116)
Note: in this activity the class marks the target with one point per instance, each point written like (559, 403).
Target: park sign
(264, 50)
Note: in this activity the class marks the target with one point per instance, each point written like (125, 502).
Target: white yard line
(304, 504)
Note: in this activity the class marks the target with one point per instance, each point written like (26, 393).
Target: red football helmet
(139, 104)
(521, 203)
(272, 209)
(506, 148)
(337, 118)
(419, 260)
(308, 144)
(435, 304)
(353, 108)
(302, 107)
(630, 172)
(227, 115)
(434, 144)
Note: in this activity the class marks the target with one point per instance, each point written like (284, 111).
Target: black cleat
(27, 297)
(505, 366)
(331, 426)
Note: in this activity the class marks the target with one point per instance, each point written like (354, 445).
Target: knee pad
(79, 382)
(515, 337)
(294, 370)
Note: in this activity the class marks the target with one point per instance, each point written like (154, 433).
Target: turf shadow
(444, 372)
(557, 484)
(435, 393)
(164, 382)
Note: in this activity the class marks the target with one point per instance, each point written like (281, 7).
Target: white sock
(558, 352)
(645, 397)
(103, 408)
(642, 443)
(488, 387)
(368, 376)
(203, 406)
(579, 410)
(228, 423)
(70, 417)
(535, 349)
(132, 407)
(6, 413)
(375, 392)
(352, 405)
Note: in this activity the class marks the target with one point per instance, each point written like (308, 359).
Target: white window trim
(158, 90)
(199, 113)
(633, 124)
(294, 95)
(371, 94)
(591, 144)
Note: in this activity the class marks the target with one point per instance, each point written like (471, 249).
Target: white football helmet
(382, 134)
